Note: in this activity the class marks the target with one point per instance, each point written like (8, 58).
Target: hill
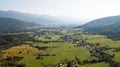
(14, 25)
(109, 26)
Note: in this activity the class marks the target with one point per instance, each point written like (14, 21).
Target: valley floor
(61, 48)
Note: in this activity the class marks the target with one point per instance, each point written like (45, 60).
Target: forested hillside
(109, 26)
(14, 25)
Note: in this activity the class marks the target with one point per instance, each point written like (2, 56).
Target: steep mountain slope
(109, 26)
(9, 24)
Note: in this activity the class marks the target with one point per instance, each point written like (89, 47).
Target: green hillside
(109, 26)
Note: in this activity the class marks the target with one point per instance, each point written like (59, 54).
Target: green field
(103, 40)
(58, 50)
(64, 51)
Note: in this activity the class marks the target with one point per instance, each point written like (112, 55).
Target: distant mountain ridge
(109, 26)
(37, 18)
(14, 25)
(25, 16)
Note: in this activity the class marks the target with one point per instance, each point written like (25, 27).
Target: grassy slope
(22, 50)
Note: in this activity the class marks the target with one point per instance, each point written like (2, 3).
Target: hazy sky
(74, 8)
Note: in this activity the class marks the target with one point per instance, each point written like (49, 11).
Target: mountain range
(41, 19)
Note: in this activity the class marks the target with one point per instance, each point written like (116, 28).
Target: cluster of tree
(114, 34)
(39, 57)
(75, 62)
(14, 58)
(47, 54)
(44, 47)
(41, 48)
(104, 57)
(7, 41)
(48, 32)
(12, 62)
(116, 49)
